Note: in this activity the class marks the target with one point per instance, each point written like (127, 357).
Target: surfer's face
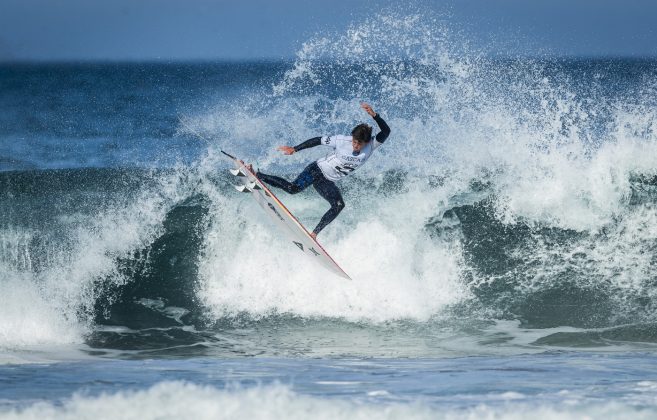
(357, 145)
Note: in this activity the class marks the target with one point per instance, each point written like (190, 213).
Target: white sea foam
(28, 318)
(175, 400)
(398, 271)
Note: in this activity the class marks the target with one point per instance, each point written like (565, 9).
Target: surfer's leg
(330, 192)
(305, 178)
(278, 182)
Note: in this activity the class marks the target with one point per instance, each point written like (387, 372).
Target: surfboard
(296, 233)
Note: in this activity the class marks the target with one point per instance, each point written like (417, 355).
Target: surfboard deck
(282, 217)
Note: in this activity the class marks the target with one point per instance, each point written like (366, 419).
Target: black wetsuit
(312, 174)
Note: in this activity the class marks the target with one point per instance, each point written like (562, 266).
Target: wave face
(512, 207)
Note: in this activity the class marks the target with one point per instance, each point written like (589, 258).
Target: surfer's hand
(287, 150)
(368, 109)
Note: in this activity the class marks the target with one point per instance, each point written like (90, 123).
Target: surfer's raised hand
(368, 109)
(287, 150)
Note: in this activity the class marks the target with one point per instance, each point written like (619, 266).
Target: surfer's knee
(339, 205)
(295, 188)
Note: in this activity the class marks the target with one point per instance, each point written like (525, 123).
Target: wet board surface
(294, 231)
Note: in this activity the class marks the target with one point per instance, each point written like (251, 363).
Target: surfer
(349, 153)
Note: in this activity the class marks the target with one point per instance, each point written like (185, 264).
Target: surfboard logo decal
(271, 206)
(299, 244)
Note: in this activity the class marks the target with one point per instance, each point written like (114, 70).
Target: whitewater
(502, 240)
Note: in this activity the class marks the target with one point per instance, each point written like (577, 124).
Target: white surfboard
(294, 230)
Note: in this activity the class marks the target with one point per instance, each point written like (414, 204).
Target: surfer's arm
(315, 141)
(289, 150)
(385, 130)
(383, 126)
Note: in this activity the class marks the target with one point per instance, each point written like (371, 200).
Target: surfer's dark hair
(362, 133)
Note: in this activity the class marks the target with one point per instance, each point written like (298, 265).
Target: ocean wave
(172, 400)
(514, 189)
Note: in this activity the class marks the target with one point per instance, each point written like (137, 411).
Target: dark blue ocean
(502, 242)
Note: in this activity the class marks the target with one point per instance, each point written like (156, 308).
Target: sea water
(502, 241)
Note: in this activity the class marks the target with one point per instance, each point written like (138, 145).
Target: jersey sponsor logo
(350, 158)
(344, 170)
(328, 140)
(271, 206)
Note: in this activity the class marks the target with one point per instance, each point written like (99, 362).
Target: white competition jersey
(343, 161)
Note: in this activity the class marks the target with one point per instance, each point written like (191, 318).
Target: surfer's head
(360, 136)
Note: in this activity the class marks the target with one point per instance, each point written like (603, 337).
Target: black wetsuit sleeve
(385, 130)
(315, 141)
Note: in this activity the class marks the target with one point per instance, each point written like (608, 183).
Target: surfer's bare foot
(313, 235)
(249, 166)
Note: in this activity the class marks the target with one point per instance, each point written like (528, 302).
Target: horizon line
(268, 60)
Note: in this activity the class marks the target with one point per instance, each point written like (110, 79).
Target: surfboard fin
(243, 188)
(237, 172)
(254, 186)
